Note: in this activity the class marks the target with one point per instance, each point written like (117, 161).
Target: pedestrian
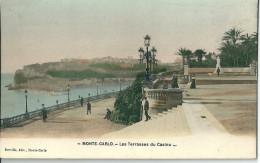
(108, 114)
(175, 82)
(146, 108)
(88, 108)
(193, 82)
(44, 113)
(81, 101)
(141, 109)
(218, 71)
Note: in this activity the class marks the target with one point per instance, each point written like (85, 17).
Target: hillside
(57, 75)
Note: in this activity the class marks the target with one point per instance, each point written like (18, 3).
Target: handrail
(6, 122)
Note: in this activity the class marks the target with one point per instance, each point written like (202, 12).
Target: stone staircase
(170, 123)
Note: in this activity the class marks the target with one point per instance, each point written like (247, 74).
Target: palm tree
(249, 47)
(245, 47)
(185, 53)
(227, 50)
(232, 37)
(188, 56)
(199, 53)
(182, 53)
(254, 42)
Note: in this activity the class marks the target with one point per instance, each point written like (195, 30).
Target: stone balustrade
(163, 99)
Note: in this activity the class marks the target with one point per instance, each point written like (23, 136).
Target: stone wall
(245, 70)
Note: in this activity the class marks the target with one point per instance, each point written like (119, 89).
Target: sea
(13, 102)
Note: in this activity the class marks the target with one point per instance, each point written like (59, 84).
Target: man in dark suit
(146, 108)
(88, 108)
(218, 71)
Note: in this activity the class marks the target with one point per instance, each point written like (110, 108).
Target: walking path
(216, 121)
(71, 123)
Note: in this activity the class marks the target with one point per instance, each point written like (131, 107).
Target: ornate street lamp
(68, 93)
(147, 40)
(97, 87)
(147, 56)
(120, 83)
(26, 111)
(141, 54)
(153, 57)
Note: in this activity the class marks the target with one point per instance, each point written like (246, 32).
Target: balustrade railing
(168, 97)
(6, 122)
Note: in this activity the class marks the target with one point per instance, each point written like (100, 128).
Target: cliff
(57, 75)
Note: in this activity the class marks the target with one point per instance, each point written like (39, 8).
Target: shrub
(127, 104)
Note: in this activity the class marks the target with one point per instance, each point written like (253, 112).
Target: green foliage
(19, 78)
(199, 53)
(106, 66)
(206, 63)
(138, 67)
(159, 69)
(79, 74)
(185, 53)
(238, 50)
(115, 67)
(127, 104)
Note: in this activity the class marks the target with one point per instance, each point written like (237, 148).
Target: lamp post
(149, 55)
(141, 54)
(26, 111)
(68, 93)
(97, 87)
(120, 83)
(153, 60)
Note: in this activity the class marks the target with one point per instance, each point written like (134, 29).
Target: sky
(38, 31)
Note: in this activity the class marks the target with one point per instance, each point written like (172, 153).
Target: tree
(199, 53)
(226, 56)
(254, 40)
(249, 48)
(127, 104)
(232, 38)
(185, 53)
(238, 50)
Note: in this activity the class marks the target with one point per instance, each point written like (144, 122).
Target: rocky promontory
(56, 76)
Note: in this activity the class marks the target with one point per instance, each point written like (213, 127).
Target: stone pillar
(186, 70)
(174, 98)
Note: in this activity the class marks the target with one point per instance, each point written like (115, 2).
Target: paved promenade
(67, 123)
(207, 109)
(214, 121)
